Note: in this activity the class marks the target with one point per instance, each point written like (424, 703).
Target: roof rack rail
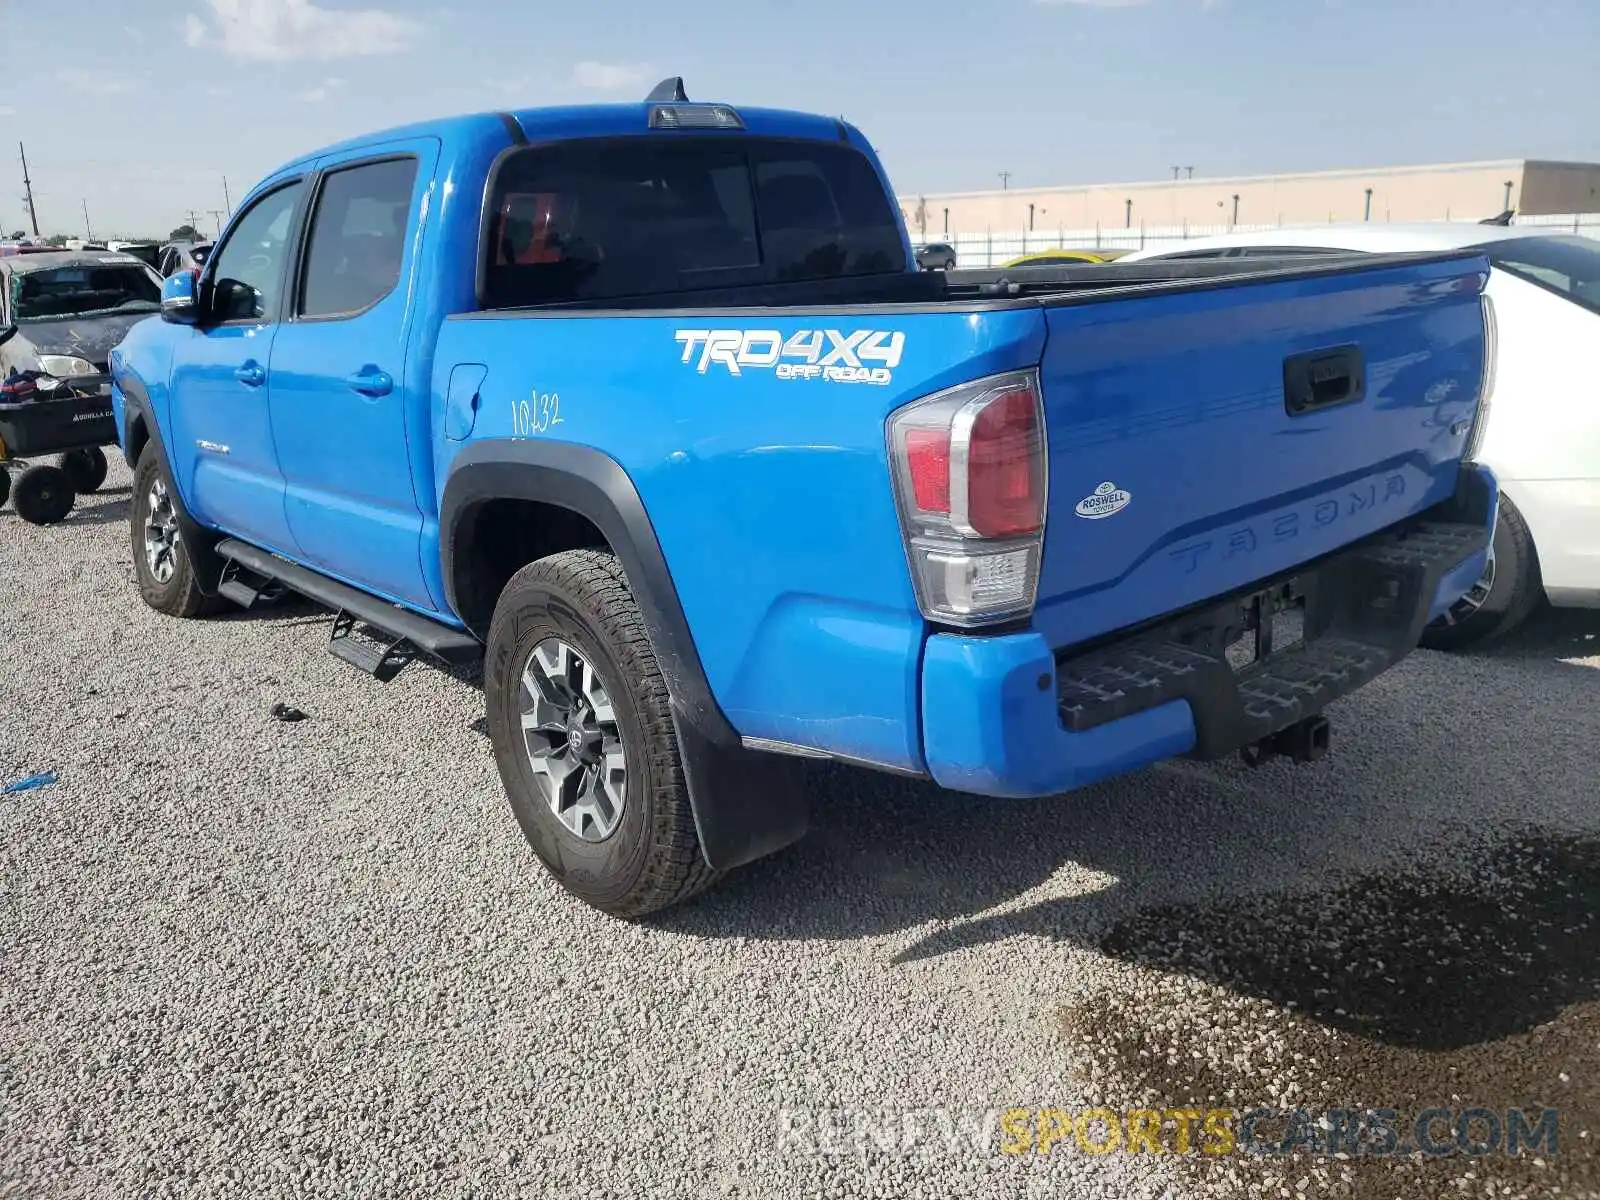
(668, 91)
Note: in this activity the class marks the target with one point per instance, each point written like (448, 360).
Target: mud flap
(747, 804)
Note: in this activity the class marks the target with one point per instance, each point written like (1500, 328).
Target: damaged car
(62, 313)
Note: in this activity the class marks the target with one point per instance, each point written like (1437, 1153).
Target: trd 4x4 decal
(862, 356)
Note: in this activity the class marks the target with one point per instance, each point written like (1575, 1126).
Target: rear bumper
(1008, 716)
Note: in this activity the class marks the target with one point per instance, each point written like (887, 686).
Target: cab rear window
(645, 217)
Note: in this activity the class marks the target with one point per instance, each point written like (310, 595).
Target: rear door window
(647, 217)
(358, 237)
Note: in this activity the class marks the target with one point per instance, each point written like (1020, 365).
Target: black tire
(5, 486)
(86, 469)
(652, 858)
(949, 264)
(179, 594)
(1515, 591)
(43, 496)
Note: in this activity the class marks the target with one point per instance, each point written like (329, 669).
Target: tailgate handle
(1323, 379)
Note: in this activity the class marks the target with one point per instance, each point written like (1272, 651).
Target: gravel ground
(244, 957)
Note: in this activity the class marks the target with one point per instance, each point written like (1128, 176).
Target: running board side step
(382, 658)
(245, 587)
(405, 633)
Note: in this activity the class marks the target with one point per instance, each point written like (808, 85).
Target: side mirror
(180, 298)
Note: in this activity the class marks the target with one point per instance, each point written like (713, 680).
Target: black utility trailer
(72, 423)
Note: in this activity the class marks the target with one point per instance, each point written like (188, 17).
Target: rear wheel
(1506, 594)
(161, 559)
(43, 496)
(584, 738)
(86, 469)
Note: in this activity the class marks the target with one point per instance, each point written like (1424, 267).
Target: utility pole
(27, 190)
(216, 215)
(194, 220)
(1005, 180)
(1191, 171)
(227, 201)
(88, 232)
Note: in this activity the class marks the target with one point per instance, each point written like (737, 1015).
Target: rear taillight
(1491, 364)
(969, 473)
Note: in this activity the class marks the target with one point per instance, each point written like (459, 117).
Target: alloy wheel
(161, 535)
(569, 730)
(1475, 598)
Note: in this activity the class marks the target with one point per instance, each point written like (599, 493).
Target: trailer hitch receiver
(1304, 741)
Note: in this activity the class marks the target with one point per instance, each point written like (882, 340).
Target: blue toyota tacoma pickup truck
(646, 408)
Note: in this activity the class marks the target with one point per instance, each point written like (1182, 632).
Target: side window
(358, 238)
(248, 271)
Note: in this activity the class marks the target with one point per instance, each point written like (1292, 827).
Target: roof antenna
(668, 91)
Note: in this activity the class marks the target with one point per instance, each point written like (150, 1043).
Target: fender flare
(746, 804)
(594, 486)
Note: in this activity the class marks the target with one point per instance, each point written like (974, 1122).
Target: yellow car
(1044, 258)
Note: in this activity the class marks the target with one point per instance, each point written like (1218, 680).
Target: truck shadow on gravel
(1553, 633)
(892, 857)
(1453, 987)
(1429, 958)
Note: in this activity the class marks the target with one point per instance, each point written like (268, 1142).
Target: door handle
(251, 374)
(370, 381)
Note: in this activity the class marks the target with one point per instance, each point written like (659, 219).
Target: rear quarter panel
(770, 497)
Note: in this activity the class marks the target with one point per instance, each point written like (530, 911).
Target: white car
(1543, 434)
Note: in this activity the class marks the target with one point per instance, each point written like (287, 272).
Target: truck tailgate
(1206, 438)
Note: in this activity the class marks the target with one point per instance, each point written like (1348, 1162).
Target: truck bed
(997, 287)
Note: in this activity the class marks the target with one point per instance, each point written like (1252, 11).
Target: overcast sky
(141, 107)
